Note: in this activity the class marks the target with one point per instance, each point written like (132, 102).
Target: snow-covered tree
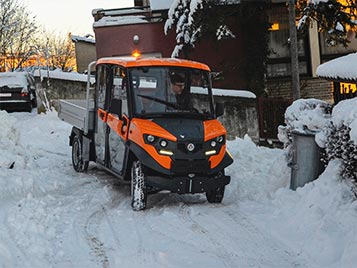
(17, 32)
(335, 17)
(194, 18)
(57, 51)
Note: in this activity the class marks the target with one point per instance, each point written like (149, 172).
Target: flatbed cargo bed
(75, 113)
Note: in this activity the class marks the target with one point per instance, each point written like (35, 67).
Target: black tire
(216, 195)
(138, 187)
(78, 163)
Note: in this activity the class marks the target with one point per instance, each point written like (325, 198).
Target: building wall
(85, 53)
(309, 88)
(224, 56)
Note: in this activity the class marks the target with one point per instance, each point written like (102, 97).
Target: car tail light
(23, 94)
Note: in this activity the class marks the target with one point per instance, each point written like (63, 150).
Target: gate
(271, 114)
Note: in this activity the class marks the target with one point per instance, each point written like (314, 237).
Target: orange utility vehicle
(151, 122)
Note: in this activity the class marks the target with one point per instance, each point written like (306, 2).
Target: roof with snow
(343, 68)
(87, 39)
(165, 4)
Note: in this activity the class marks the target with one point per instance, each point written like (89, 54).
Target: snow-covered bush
(341, 142)
(335, 133)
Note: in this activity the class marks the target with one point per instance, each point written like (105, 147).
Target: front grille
(182, 147)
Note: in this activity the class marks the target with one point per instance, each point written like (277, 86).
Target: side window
(101, 86)
(119, 87)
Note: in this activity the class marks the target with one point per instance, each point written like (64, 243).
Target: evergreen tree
(196, 18)
(335, 17)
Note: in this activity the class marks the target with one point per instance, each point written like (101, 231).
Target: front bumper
(186, 185)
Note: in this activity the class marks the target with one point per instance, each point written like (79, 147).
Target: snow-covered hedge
(336, 132)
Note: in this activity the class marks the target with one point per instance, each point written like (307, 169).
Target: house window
(329, 52)
(279, 58)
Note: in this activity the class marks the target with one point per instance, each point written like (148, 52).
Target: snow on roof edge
(341, 68)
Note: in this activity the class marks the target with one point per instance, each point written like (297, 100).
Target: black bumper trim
(186, 185)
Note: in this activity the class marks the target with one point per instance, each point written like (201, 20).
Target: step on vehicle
(152, 123)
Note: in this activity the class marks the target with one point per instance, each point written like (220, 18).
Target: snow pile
(52, 216)
(317, 219)
(257, 171)
(307, 114)
(23, 167)
(9, 139)
(304, 115)
(120, 20)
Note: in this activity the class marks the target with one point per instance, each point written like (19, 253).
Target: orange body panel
(139, 127)
(216, 159)
(117, 125)
(102, 115)
(138, 62)
(212, 129)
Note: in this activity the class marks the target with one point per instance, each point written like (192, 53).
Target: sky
(73, 16)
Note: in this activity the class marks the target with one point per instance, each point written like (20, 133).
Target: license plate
(5, 94)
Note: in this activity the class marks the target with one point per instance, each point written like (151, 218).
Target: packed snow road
(52, 216)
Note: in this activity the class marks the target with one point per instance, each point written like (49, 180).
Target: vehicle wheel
(78, 163)
(216, 195)
(138, 187)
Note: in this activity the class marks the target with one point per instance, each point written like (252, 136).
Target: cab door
(102, 103)
(117, 123)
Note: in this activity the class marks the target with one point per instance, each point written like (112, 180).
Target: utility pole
(294, 51)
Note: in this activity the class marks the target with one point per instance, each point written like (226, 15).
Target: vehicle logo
(190, 147)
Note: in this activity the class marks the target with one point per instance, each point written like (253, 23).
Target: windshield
(167, 90)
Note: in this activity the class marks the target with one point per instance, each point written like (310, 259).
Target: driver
(177, 87)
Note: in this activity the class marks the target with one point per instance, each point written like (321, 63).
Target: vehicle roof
(138, 62)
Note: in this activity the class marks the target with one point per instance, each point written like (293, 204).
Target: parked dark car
(17, 91)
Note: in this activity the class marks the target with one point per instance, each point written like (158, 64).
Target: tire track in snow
(269, 246)
(219, 250)
(97, 247)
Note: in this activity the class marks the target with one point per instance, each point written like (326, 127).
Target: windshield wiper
(167, 103)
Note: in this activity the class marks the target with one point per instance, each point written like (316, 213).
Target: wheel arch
(75, 132)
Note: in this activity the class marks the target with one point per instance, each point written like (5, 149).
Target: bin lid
(305, 132)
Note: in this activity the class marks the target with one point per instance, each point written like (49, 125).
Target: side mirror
(219, 109)
(115, 107)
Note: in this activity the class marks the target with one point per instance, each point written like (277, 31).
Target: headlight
(220, 139)
(150, 138)
(213, 143)
(213, 146)
(163, 143)
(166, 152)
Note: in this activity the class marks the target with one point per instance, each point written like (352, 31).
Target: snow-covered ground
(51, 216)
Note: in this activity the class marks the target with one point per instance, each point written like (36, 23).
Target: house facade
(120, 32)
